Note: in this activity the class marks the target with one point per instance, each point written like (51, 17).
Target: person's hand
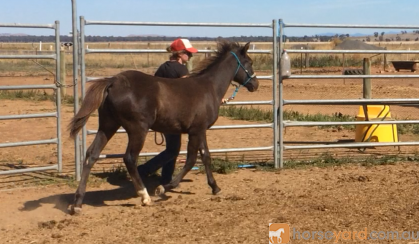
(224, 100)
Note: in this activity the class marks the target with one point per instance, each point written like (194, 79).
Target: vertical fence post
(76, 87)
(280, 47)
(275, 95)
(83, 87)
(301, 63)
(367, 81)
(62, 72)
(366, 85)
(58, 72)
(307, 57)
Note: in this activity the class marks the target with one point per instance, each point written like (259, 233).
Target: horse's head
(245, 75)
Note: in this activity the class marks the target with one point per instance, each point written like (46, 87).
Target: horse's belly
(170, 126)
(182, 121)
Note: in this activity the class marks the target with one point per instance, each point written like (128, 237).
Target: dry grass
(106, 60)
(144, 60)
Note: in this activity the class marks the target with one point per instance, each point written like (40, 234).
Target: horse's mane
(223, 47)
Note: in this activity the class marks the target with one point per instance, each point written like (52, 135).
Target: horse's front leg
(192, 153)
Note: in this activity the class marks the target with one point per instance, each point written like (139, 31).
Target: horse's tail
(94, 98)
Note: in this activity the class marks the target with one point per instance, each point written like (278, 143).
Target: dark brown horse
(138, 102)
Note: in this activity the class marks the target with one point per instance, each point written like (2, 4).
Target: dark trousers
(165, 160)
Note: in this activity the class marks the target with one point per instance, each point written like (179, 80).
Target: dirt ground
(380, 198)
(352, 197)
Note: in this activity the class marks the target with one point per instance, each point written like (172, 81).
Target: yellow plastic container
(376, 132)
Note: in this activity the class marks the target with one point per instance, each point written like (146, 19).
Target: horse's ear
(245, 48)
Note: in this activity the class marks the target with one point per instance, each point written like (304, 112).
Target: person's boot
(167, 172)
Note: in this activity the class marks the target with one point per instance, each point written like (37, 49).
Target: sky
(365, 12)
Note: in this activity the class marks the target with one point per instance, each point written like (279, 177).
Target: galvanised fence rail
(55, 87)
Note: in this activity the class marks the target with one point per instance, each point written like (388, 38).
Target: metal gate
(272, 77)
(56, 114)
(282, 103)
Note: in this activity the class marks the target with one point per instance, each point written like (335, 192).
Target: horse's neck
(220, 76)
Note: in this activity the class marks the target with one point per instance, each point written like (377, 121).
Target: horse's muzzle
(252, 85)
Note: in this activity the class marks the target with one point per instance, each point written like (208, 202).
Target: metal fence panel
(57, 114)
(283, 102)
(272, 77)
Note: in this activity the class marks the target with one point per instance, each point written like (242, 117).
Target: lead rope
(155, 138)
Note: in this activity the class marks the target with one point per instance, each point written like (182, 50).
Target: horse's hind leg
(136, 139)
(105, 132)
(206, 159)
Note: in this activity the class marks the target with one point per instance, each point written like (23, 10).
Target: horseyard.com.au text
(355, 235)
(282, 233)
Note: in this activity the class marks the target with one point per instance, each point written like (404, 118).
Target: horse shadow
(98, 198)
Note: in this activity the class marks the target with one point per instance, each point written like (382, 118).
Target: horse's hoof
(159, 191)
(75, 210)
(216, 190)
(169, 187)
(147, 202)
